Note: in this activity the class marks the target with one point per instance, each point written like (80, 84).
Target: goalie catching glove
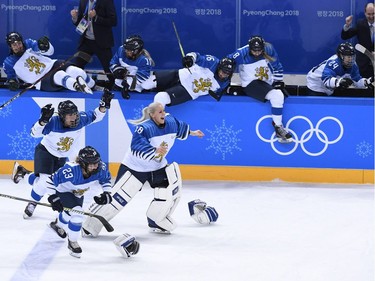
(126, 245)
(202, 213)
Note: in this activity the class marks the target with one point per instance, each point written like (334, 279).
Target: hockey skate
(59, 230)
(282, 135)
(81, 86)
(19, 172)
(29, 210)
(75, 249)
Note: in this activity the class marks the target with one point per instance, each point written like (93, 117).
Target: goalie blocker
(159, 212)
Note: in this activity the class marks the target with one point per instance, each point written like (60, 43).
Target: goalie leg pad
(126, 245)
(166, 200)
(122, 193)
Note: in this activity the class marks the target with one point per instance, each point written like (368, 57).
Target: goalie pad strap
(166, 200)
(122, 192)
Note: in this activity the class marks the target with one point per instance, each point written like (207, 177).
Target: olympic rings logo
(305, 137)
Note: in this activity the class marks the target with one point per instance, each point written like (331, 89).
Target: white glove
(127, 245)
(202, 213)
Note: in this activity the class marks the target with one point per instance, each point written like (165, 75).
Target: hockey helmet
(68, 107)
(256, 44)
(345, 52)
(13, 37)
(227, 66)
(89, 155)
(134, 43)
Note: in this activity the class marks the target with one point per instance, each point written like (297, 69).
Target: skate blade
(159, 231)
(280, 140)
(75, 255)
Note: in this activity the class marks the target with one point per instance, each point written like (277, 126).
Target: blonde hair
(146, 113)
(147, 55)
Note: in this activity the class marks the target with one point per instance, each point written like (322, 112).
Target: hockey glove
(345, 82)
(215, 95)
(119, 72)
(127, 245)
(104, 198)
(279, 85)
(13, 84)
(125, 90)
(43, 44)
(46, 114)
(56, 203)
(187, 61)
(105, 101)
(369, 83)
(202, 213)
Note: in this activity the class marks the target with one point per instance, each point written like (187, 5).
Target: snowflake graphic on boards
(364, 149)
(5, 111)
(22, 144)
(138, 112)
(224, 140)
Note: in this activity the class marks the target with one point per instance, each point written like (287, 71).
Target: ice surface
(265, 232)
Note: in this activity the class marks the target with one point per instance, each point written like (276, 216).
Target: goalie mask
(256, 46)
(89, 160)
(201, 213)
(226, 66)
(346, 53)
(68, 108)
(15, 43)
(133, 46)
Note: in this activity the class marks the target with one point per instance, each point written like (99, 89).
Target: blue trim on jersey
(211, 62)
(72, 173)
(242, 56)
(55, 124)
(144, 132)
(12, 59)
(334, 68)
(142, 63)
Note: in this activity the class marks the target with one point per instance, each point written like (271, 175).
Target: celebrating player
(153, 138)
(201, 75)
(132, 59)
(261, 76)
(68, 186)
(339, 71)
(28, 61)
(61, 134)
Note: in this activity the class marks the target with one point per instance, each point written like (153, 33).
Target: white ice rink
(265, 232)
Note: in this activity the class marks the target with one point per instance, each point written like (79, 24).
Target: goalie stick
(105, 223)
(366, 52)
(80, 54)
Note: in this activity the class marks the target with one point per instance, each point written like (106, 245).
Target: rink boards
(334, 137)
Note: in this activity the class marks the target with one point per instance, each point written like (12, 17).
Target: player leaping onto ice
(261, 76)
(153, 138)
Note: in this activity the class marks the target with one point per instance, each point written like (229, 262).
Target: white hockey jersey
(32, 65)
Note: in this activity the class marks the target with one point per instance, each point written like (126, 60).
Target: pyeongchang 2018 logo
(311, 132)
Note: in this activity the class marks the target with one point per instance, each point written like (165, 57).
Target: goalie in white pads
(201, 213)
(153, 137)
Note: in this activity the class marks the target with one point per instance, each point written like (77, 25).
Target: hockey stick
(80, 54)
(366, 52)
(179, 41)
(105, 223)
(134, 78)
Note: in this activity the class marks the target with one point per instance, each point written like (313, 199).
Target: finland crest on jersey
(199, 81)
(258, 70)
(69, 178)
(32, 66)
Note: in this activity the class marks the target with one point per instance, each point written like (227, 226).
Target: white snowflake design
(224, 140)
(364, 149)
(22, 145)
